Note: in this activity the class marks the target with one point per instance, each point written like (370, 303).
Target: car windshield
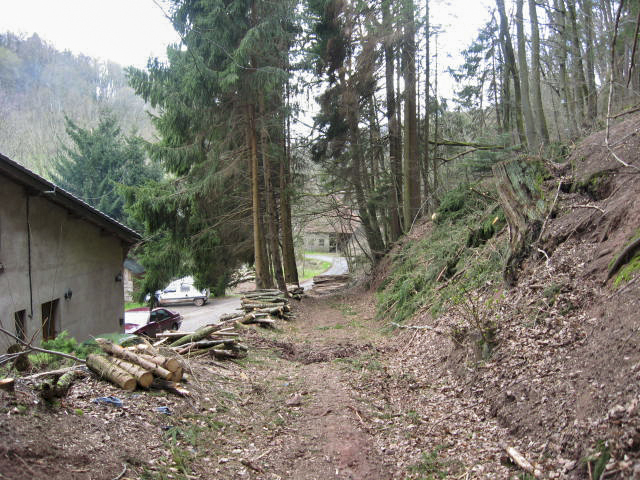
(138, 318)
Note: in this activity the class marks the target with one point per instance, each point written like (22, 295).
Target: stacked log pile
(327, 283)
(162, 364)
(265, 307)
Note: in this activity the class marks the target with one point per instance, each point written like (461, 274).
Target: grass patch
(461, 254)
(129, 305)
(432, 467)
(312, 267)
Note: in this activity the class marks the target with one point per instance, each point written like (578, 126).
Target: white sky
(130, 31)
(125, 31)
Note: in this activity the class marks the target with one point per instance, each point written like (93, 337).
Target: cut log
(199, 334)
(206, 344)
(21, 362)
(523, 207)
(173, 334)
(170, 364)
(110, 371)
(319, 279)
(65, 381)
(143, 377)
(173, 387)
(7, 384)
(230, 316)
(118, 351)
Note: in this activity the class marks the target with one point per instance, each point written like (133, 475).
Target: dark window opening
(21, 327)
(50, 320)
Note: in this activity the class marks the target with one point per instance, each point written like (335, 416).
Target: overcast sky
(130, 31)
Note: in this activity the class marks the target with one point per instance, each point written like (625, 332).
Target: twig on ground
(595, 207)
(418, 327)
(545, 254)
(251, 465)
(522, 462)
(124, 470)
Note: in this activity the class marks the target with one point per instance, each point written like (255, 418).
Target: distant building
(133, 272)
(60, 260)
(336, 231)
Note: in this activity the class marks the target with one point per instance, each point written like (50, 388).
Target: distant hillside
(39, 85)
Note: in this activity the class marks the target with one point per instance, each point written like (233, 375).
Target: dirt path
(330, 395)
(300, 380)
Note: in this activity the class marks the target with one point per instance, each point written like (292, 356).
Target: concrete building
(133, 272)
(60, 261)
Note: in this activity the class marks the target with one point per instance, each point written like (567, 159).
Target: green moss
(627, 272)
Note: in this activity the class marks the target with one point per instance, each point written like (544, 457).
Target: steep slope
(554, 360)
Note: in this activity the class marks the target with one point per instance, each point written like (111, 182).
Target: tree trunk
(288, 247)
(107, 369)
(273, 231)
(523, 208)
(561, 53)
(578, 65)
(427, 103)
(395, 152)
(263, 276)
(592, 98)
(511, 69)
(411, 164)
(538, 109)
(530, 128)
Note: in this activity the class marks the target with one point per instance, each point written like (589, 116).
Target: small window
(50, 322)
(184, 287)
(321, 242)
(21, 327)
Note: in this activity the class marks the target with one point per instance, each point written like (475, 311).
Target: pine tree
(99, 162)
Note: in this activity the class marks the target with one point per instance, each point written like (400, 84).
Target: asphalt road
(194, 317)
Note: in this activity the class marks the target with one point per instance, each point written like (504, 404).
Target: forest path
(310, 423)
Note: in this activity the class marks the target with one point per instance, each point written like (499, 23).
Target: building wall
(317, 242)
(67, 254)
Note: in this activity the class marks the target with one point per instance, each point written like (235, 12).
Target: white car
(182, 291)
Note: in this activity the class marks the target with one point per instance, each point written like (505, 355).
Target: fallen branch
(60, 371)
(31, 348)
(522, 462)
(418, 327)
(589, 206)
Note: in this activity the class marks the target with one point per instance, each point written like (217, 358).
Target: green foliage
(233, 56)
(99, 162)
(627, 272)
(430, 466)
(66, 344)
(422, 272)
(598, 460)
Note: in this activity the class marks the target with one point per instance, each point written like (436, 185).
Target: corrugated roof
(38, 185)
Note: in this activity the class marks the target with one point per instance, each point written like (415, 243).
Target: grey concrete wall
(67, 253)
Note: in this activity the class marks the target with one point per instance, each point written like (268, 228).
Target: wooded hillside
(40, 85)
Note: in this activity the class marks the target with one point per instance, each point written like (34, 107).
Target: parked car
(182, 291)
(141, 321)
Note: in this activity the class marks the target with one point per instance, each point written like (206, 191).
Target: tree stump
(523, 207)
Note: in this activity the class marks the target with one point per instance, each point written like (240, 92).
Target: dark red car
(139, 321)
